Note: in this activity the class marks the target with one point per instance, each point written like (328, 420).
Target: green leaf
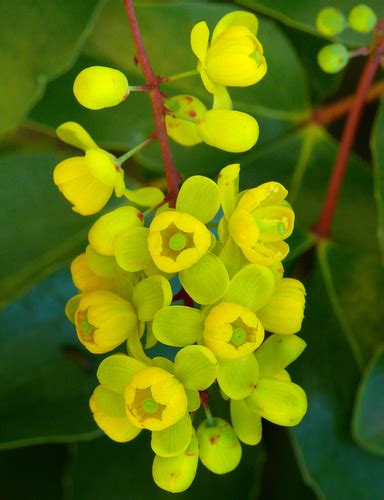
(302, 15)
(368, 418)
(34, 472)
(329, 374)
(39, 229)
(126, 474)
(302, 162)
(46, 378)
(377, 146)
(277, 107)
(40, 40)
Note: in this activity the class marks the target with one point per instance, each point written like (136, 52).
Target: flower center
(272, 226)
(239, 336)
(86, 327)
(150, 405)
(177, 242)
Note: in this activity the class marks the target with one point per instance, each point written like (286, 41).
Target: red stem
(323, 226)
(157, 100)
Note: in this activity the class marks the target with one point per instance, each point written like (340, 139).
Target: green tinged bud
(220, 450)
(362, 18)
(176, 474)
(330, 21)
(333, 58)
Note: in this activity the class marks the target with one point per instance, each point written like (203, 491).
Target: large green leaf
(38, 228)
(302, 14)
(329, 373)
(277, 107)
(45, 377)
(377, 146)
(126, 473)
(39, 40)
(302, 161)
(32, 473)
(368, 418)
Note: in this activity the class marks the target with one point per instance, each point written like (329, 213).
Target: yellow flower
(87, 181)
(234, 56)
(155, 399)
(232, 331)
(177, 240)
(257, 221)
(100, 87)
(103, 320)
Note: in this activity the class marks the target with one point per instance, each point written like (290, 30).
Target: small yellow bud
(100, 87)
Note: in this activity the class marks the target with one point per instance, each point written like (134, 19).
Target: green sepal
(150, 295)
(178, 326)
(196, 367)
(238, 377)
(173, 440)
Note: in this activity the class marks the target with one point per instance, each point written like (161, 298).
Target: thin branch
(328, 113)
(157, 100)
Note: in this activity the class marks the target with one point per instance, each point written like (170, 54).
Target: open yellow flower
(89, 181)
(179, 241)
(256, 221)
(233, 58)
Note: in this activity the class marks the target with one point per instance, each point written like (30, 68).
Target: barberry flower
(178, 241)
(153, 397)
(87, 181)
(100, 87)
(274, 397)
(234, 57)
(256, 221)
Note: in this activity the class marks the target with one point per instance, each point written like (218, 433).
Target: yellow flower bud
(220, 450)
(155, 399)
(284, 312)
(99, 87)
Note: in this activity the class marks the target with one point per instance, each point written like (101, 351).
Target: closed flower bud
(284, 312)
(362, 18)
(176, 474)
(330, 21)
(220, 450)
(333, 58)
(229, 130)
(99, 87)
(183, 112)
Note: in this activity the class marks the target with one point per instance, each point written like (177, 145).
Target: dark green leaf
(33, 473)
(368, 418)
(40, 39)
(45, 377)
(329, 373)
(39, 229)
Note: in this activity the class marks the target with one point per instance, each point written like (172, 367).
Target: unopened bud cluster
(331, 21)
(201, 279)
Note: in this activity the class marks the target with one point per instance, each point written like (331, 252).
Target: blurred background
(50, 446)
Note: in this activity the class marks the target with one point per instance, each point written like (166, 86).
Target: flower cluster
(330, 22)
(198, 277)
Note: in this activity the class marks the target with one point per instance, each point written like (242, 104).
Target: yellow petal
(74, 134)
